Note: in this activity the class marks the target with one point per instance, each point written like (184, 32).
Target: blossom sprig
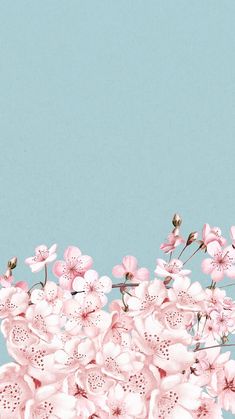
(161, 351)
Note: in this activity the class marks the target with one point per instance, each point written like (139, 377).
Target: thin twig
(214, 346)
(193, 254)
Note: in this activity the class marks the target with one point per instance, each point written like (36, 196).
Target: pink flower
(52, 295)
(129, 270)
(210, 361)
(175, 318)
(96, 382)
(16, 387)
(167, 348)
(38, 358)
(6, 281)
(13, 301)
(18, 335)
(223, 322)
(48, 402)
(174, 399)
(75, 264)
(187, 296)
(76, 353)
(120, 325)
(42, 321)
(211, 234)
(174, 268)
(115, 362)
(224, 386)
(92, 284)
(221, 264)
(208, 409)
(85, 316)
(85, 403)
(141, 382)
(148, 297)
(174, 240)
(124, 405)
(43, 255)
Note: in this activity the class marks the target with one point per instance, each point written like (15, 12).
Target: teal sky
(114, 115)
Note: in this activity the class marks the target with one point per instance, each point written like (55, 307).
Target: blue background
(114, 115)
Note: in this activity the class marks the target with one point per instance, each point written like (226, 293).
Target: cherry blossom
(16, 387)
(172, 269)
(224, 386)
(48, 402)
(159, 351)
(148, 297)
(42, 321)
(208, 409)
(85, 316)
(187, 296)
(124, 405)
(75, 264)
(129, 270)
(174, 399)
(52, 295)
(92, 284)
(43, 255)
(115, 362)
(174, 240)
(6, 281)
(211, 234)
(13, 301)
(221, 263)
(76, 353)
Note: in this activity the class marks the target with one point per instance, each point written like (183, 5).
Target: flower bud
(12, 263)
(192, 237)
(177, 220)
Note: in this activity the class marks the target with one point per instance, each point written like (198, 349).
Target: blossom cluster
(157, 352)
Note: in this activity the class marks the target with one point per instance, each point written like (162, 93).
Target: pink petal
(66, 282)
(217, 275)
(91, 275)
(142, 274)
(36, 267)
(207, 266)
(79, 283)
(30, 260)
(59, 268)
(72, 252)
(51, 258)
(230, 273)
(85, 262)
(130, 263)
(213, 248)
(23, 285)
(53, 248)
(105, 284)
(118, 271)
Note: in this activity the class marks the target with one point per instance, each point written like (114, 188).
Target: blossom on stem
(129, 269)
(75, 264)
(221, 262)
(43, 255)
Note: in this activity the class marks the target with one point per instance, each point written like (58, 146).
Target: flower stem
(45, 280)
(214, 346)
(121, 285)
(228, 285)
(34, 285)
(182, 251)
(194, 253)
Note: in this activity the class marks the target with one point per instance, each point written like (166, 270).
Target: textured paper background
(114, 115)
